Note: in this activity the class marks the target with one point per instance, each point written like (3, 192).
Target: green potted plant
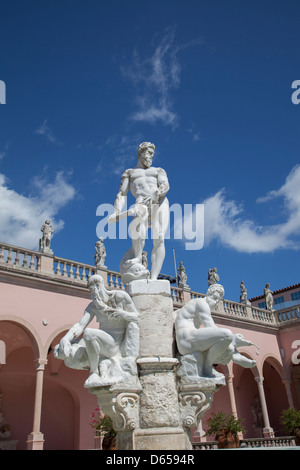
(225, 428)
(290, 420)
(103, 426)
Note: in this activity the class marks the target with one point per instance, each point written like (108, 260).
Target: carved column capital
(193, 404)
(259, 380)
(125, 411)
(40, 363)
(120, 404)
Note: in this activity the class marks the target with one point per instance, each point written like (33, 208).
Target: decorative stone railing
(240, 310)
(286, 441)
(253, 443)
(17, 259)
(72, 270)
(177, 295)
(235, 309)
(288, 315)
(196, 295)
(114, 280)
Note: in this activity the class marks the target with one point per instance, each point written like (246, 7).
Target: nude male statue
(149, 186)
(45, 241)
(191, 338)
(217, 345)
(103, 348)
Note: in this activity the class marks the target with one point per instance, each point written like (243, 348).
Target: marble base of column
(35, 441)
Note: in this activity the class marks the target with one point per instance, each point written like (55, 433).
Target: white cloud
(225, 221)
(45, 130)
(3, 153)
(154, 78)
(21, 217)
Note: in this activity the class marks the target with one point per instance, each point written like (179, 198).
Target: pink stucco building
(45, 403)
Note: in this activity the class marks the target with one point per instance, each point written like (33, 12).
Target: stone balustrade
(254, 443)
(72, 270)
(14, 257)
(19, 260)
(235, 309)
(288, 315)
(176, 295)
(114, 280)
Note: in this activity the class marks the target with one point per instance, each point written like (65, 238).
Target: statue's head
(145, 153)
(97, 288)
(95, 280)
(214, 293)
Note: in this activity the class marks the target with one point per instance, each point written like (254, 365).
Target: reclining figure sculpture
(109, 352)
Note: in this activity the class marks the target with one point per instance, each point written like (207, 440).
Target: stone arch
(18, 375)
(294, 374)
(58, 333)
(246, 394)
(275, 362)
(274, 375)
(30, 332)
(59, 417)
(64, 385)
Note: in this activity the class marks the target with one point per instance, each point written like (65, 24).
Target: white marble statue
(213, 276)
(109, 352)
(100, 254)
(269, 297)
(182, 277)
(149, 186)
(201, 348)
(243, 296)
(45, 241)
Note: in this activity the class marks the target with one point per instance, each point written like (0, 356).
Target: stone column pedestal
(159, 414)
(35, 441)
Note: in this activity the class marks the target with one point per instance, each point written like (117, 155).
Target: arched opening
(59, 413)
(17, 380)
(67, 406)
(275, 393)
(221, 402)
(295, 384)
(247, 401)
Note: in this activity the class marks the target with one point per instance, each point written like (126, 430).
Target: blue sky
(209, 82)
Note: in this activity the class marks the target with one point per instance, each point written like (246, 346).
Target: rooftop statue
(213, 276)
(182, 277)
(100, 254)
(45, 241)
(149, 186)
(200, 348)
(243, 296)
(109, 352)
(269, 297)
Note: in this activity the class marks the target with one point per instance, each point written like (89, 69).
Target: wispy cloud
(45, 130)
(122, 152)
(3, 152)
(21, 217)
(155, 78)
(225, 221)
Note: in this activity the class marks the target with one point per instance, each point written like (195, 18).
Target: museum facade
(44, 403)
